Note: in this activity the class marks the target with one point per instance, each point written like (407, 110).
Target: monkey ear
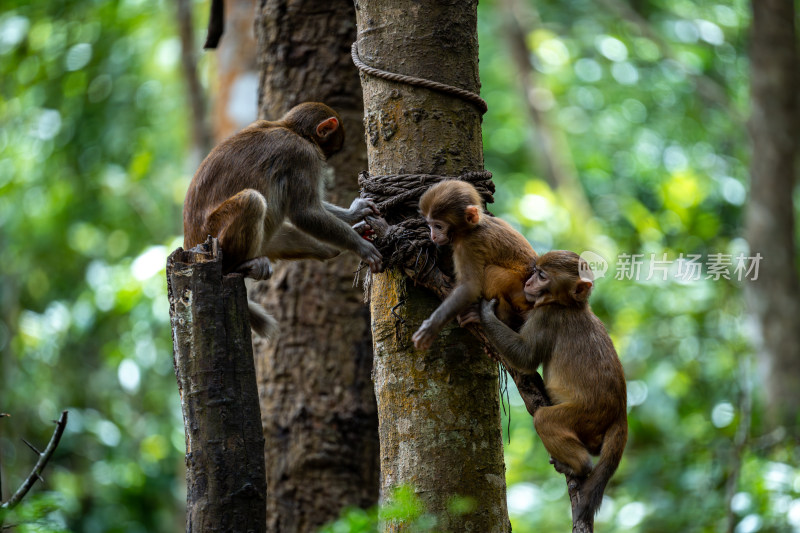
(327, 126)
(583, 287)
(473, 214)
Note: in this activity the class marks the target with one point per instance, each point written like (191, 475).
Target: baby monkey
(582, 373)
(491, 259)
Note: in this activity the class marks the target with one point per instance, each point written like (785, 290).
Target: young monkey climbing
(582, 373)
(491, 259)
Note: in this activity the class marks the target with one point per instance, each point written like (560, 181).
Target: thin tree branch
(532, 391)
(740, 441)
(44, 457)
(201, 133)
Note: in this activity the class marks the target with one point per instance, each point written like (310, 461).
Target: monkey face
(537, 285)
(440, 231)
(555, 279)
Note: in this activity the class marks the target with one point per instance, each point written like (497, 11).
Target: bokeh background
(606, 132)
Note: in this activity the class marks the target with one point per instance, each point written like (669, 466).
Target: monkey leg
(257, 268)
(288, 242)
(506, 284)
(238, 223)
(555, 426)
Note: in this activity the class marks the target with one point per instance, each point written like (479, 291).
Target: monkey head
(319, 123)
(451, 209)
(556, 279)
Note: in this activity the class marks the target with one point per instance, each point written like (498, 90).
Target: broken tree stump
(213, 359)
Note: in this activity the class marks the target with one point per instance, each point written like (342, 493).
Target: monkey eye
(542, 275)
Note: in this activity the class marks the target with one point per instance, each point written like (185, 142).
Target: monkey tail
(261, 322)
(591, 493)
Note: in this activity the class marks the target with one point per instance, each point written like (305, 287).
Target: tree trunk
(318, 406)
(225, 483)
(774, 127)
(438, 410)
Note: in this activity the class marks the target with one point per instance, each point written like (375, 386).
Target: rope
(396, 191)
(407, 242)
(464, 94)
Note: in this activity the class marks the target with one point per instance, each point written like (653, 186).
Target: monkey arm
(288, 242)
(360, 208)
(458, 300)
(339, 212)
(515, 350)
(313, 219)
(317, 221)
(308, 213)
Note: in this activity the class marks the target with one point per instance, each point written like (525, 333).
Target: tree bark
(774, 127)
(318, 406)
(438, 410)
(225, 483)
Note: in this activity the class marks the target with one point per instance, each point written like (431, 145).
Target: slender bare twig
(740, 441)
(1, 465)
(44, 457)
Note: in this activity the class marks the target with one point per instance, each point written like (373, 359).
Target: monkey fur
(491, 259)
(582, 373)
(258, 192)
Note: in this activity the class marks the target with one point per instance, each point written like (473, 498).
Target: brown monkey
(491, 259)
(582, 373)
(250, 184)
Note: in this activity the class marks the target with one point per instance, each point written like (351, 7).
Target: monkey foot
(258, 268)
(561, 468)
(470, 316)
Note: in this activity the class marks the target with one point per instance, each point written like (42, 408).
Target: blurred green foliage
(94, 165)
(92, 156)
(653, 113)
(403, 508)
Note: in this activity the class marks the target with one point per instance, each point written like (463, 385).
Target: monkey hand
(360, 208)
(370, 255)
(487, 310)
(424, 336)
(470, 316)
(364, 229)
(258, 268)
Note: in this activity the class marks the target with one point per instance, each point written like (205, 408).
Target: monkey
(582, 373)
(491, 258)
(258, 192)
